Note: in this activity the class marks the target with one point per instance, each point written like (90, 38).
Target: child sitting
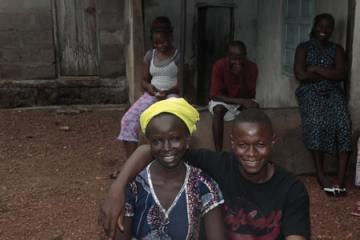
(168, 198)
(159, 80)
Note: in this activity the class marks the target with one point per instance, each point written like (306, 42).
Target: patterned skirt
(325, 119)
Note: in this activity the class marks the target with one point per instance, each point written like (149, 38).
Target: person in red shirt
(233, 87)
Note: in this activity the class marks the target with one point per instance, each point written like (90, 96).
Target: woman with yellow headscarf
(168, 198)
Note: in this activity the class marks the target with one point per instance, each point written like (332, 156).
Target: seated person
(168, 198)
(233, 86)
(262, 200)
(160, 81)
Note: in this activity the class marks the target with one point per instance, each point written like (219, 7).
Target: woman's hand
(161, 95)
(152, 90)
(312, 68)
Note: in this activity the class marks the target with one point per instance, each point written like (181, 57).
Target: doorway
(215, 29)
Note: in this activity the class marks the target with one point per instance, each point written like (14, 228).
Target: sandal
(335, 191)
(330, 191)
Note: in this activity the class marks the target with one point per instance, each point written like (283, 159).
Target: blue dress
(198, 195)
(325, 119)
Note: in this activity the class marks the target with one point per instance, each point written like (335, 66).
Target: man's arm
(245, 102)
(295, 237)
(214, 225)
(112, 208)
(126, 234)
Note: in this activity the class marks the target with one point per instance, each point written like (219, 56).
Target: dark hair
(161, 24)
(238, 44)
(319, 18)
(253, 115)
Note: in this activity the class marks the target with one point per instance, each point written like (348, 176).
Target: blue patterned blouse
(198, 195)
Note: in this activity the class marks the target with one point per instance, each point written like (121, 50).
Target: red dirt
(53, 169)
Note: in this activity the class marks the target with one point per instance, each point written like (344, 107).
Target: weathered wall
(30, 62)
(26, 40)
(113, 37)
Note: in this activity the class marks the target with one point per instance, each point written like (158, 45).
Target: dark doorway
(215, 31)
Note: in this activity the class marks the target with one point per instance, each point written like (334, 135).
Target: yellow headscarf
(177, 106)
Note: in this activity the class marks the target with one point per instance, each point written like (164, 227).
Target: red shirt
(223, 82)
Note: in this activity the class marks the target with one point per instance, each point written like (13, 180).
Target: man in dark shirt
(233, 87)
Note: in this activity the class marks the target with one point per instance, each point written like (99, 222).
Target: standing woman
(160, 80)
(320, 66)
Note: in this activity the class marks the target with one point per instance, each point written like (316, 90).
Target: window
(298, 16)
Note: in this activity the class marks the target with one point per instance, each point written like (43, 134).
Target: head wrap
(177, 106)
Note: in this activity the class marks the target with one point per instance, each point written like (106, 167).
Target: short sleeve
(148, 56)
(296, 220)
(211, 196)
(130, 199)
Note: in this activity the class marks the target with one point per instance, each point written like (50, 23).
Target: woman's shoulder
(148, 55)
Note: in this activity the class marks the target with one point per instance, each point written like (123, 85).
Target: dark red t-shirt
(226, 83)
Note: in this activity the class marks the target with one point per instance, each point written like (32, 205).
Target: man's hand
(249, 103)
(236, 68)
(112, 214)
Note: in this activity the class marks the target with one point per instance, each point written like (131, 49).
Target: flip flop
(335, 191)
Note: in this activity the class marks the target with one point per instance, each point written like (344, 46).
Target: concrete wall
(26, 40)
(113, 37)
(29, 65)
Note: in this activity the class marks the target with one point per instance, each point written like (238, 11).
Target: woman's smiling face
(169, 138)
(323, 29)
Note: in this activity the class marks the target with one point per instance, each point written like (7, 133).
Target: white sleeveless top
(163, 77)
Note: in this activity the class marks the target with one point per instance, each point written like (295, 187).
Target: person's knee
(128, 121)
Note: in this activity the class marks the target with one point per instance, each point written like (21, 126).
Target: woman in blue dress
(320, 66)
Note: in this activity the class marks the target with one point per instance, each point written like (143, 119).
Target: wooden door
(215, 31)
(77, 40)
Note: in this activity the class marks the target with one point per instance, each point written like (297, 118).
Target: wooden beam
(135, 49)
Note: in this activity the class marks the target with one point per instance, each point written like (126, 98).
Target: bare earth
(54, 167)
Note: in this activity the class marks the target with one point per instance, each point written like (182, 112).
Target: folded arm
(338, 73)
(301, 72)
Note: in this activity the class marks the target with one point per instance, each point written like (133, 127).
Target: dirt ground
(53, 169)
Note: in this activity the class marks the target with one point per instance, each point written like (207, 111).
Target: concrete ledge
(63, 91)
